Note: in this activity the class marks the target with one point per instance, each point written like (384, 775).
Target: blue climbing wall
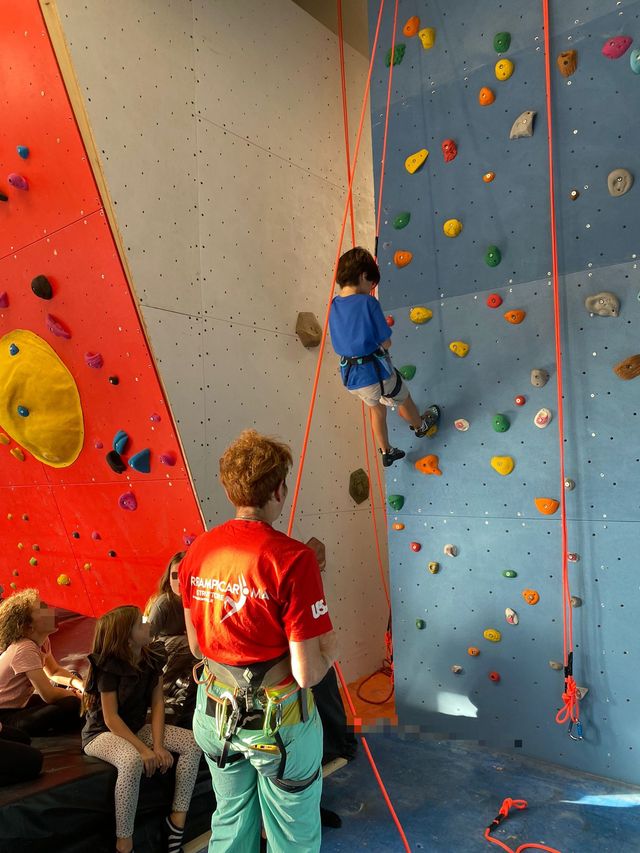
(492, 519)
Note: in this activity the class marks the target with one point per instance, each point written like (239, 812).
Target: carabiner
(578, 735)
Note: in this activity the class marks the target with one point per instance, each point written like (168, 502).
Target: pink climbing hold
(19, 182)
(616, 47)
(189, 539)
(57, 327)
(93, 359)
(155, 417)
(96, 536)
(168, 458)
(98, 444)
(4, 299)
(128, 501)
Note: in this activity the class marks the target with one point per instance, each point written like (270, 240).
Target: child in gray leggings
(124, 681)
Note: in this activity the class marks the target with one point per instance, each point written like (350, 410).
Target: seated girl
(124, 681)
(29, 701)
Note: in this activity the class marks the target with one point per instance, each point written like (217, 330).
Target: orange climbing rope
(570, 712)
(506, 806)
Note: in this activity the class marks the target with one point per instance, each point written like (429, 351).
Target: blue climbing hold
(120, 441)
(141, 461)
(13, 349)
(23, 151)
(23, 411)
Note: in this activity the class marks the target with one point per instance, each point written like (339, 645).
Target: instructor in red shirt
(255, 612)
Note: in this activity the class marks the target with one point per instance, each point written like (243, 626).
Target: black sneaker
(430, 421)
(392, 455)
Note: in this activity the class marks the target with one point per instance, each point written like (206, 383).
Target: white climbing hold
(511, 616)
(450, 550)
(542, 418)
(461, 424)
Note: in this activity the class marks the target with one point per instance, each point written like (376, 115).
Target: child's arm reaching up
(117, 726)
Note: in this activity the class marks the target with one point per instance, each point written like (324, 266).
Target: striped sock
(174, 837)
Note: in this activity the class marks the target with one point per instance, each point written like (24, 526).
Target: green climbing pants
(262, 786)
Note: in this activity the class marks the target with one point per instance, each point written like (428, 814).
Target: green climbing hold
(407, 371)
(396, 502)
(401, 220)
(493, 256)
(501, 42)
(421, 624)
(501, 423)
(509, 573)
(397, 52)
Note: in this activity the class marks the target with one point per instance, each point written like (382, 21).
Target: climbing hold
(488, 177)
(501, 42)
(519, 400)
(35, 547)
(452, 227)
(515, 317)
(542, 418)
(572, 557)
(128, 501)
(96, 536)
(414, 161)
(23, 411)
(547, 506)
(492, 634)
(604, 304)
(474, 651)
(120, 441)
(429, 465)
(500, 423)
(415, 546)
(434, 567)
(17, 454)
(509, 573)
(3, 197)
(629, 368)
(494, 300)
(449, 150)
(456, 669)
(555, 664)
(459, 348)
(407, 371)
(634, 60)
(539, 377)
(41, 287)
(427, 36)
(114, 380)
(402, 259)
(359, 485)
(575, 601)
(420, 315)
(511, 616)
(111, 554)
(574, 194)
(396, 502)
(504, 69)
(389, 320)
(4, 299)
(168, 459)
(486, 97)
(20, 546)
(115, 462)
(19, 182)
(33, 561)
(461, 424)
(57, 327)
(523, 125)
(567, 62)
(450, 550)
(308, 329)
(619, 182)
(412, 26)
(75, 534)
(569, 484)
(4, 439)
(86, 566)
(616, 47)
(494, 676)
(421, 624)
(502, 464)
(395, 55)
(401, 221)
(94, 360)
(531, 596)
(397, 525)
(98, 444)
(25, 517)
(141, 461)
(23, 151)
(63, 580)
(493, 256)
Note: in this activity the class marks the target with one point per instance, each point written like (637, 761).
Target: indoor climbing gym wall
(95, 494)
(227, 174)
(466, 257)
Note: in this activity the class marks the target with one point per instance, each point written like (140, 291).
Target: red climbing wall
(62, 529)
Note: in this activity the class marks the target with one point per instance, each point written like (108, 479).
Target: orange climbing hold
(411, 27)
(397, 525)
(531, 596)
(547, 506)
(515, 317)
(402, 259)
(486, 96)
(488, 177)
(429, 465)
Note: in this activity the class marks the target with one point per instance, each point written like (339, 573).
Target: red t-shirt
(250, 590)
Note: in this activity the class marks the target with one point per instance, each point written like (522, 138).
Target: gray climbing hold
(555, 664)
(619, 182)
(539, 377)
(575, 601)
(456, 669)
(569, 484)
(604, 304)
(359, 485)
(582, 692)
(120, 441)
(308, 329)
(523, 125)
(141, 461)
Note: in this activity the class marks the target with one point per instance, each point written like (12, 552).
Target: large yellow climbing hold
(547, 506)
(427, 36)
(492, 634)
(63, 580)
(502, 464)
(504, 69)
(39, 401)
(414, 161)
(420, 315)
(459, 348)
(452, 227)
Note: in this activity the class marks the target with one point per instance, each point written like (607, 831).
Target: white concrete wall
(220, 131)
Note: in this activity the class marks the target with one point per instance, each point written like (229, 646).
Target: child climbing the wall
(361, 337)
(124, 681)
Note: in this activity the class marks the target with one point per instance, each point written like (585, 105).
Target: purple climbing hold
(128, 501)
(98, 444)
(95, 535)
(189, 539)
(17, 181)
(115, 462)
(23, 151)
(168, 458)
(155, 417)
(4, 299)
(57, 327)
(93, 359)
(120, 441)
(141, 461)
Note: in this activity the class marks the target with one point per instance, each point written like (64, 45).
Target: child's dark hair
(355, 262)
(164, 584)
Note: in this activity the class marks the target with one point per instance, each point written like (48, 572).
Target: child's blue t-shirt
(358, 327)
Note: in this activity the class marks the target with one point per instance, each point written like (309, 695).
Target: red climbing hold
(416, 546)
(4, 299)
(390, 320)
(449, 150)
(519, 400)
(494, 676)
(494, 300)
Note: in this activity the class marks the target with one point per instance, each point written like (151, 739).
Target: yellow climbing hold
(420, 315)
(414, 161)
(459, 348)
(427, 36)
(502, 464)
(504, 69)
(4, 439)
(63, 580)
(452, 227)
(17, 454)
(492, 634)
(37, 382)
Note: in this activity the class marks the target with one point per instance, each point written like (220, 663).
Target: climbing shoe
(430, 421)
(391, 455)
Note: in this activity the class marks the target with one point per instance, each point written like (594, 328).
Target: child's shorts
(370, 394)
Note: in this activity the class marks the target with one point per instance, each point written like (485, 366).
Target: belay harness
(373, 358)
